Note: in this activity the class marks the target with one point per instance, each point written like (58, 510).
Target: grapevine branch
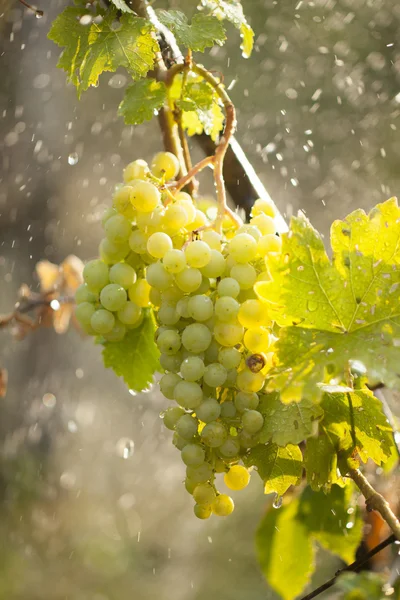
(354, 568)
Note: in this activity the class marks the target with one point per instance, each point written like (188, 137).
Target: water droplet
(73, 158)
(39, 14)
(277, 503)
(125, 448)
(312, 306)
(85, 20)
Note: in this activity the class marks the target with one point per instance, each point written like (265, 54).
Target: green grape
(211, 354)
(188, 280)
(245, 275)
(262, 206)
(122, 202)
(237, 478)
(223, 505)
(171, 416)
(214, 434)
(248, 440)
(174, 261)
(175, 218)
(95, 275)
(199, 474)
(251, 230)
(138, 241)
(198, 254)
(192, 368)
(246, 401)
(253, 314)
(108, 213)
(186, 427)
(178, 442)
(84, 312)
(209, 410)
(264, 223)
(130, 313)
(193, 455)
(169, 342)
(165, 164)
(230, 358)
(122, 274)
(172, 295)
(182, 307)
(228, 287)
(212, 239)
(102, 321)
(215, 375)
(200, 220)
(144, 196)
(167, 314)
(257, 340)
(188, 394)
(117, 229)
(204, 493)
(117, 333)
(269, 244)
(228, 334)
(252, 421)
(190, 485)
(227, 309)
(228, 410)
(134, 260)
(220, 465)
(168, 382)
(139, 293)
(243, 248)
(250, 382)
(230, 448)
(204, 286)
(83, 294)
(202, 512)
(113, 297)
(196, 338)
(171, 362)
(112, 253)
(138, 169)
(150, 222)
(158, 244)
(231, 378)
(158, 277)
(200, 307)
(216, 266)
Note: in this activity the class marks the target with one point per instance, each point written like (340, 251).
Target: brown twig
(39, 13)
(354, 567)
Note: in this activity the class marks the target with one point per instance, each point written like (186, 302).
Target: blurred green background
(318, 106)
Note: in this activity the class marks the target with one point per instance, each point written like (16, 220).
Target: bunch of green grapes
(214, 335)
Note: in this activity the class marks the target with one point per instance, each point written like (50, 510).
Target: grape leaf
(203, 32)
(141, 99)
(232, 11)
(135, 358)
(320, 461)
(362, 586)
(278, 467)
(200, 106)
(285, 551)
(122, 5)
(340, 310)
(288, 423)
(327, 520)
(104, 45)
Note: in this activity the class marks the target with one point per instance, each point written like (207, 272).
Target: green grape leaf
(203, 32)
(141, 99)
(339, 311)
(288, 423)
(361, 586)
(328, 521)
(278, 467)
(200, 106)
(122, 6)
(89, 50)
(232, 11)
(135, 358)
(320, 461)
(285, 551)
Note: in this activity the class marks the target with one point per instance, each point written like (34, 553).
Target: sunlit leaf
(103, 45)
(340, 310)
(135, 358)
(361, 586)
(279, 468)
(122, 5)
(232, 11)
(203, 32)
(141, 99)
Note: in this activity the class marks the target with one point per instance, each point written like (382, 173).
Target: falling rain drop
(125, 448)
(277, 503)
(73, 158)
